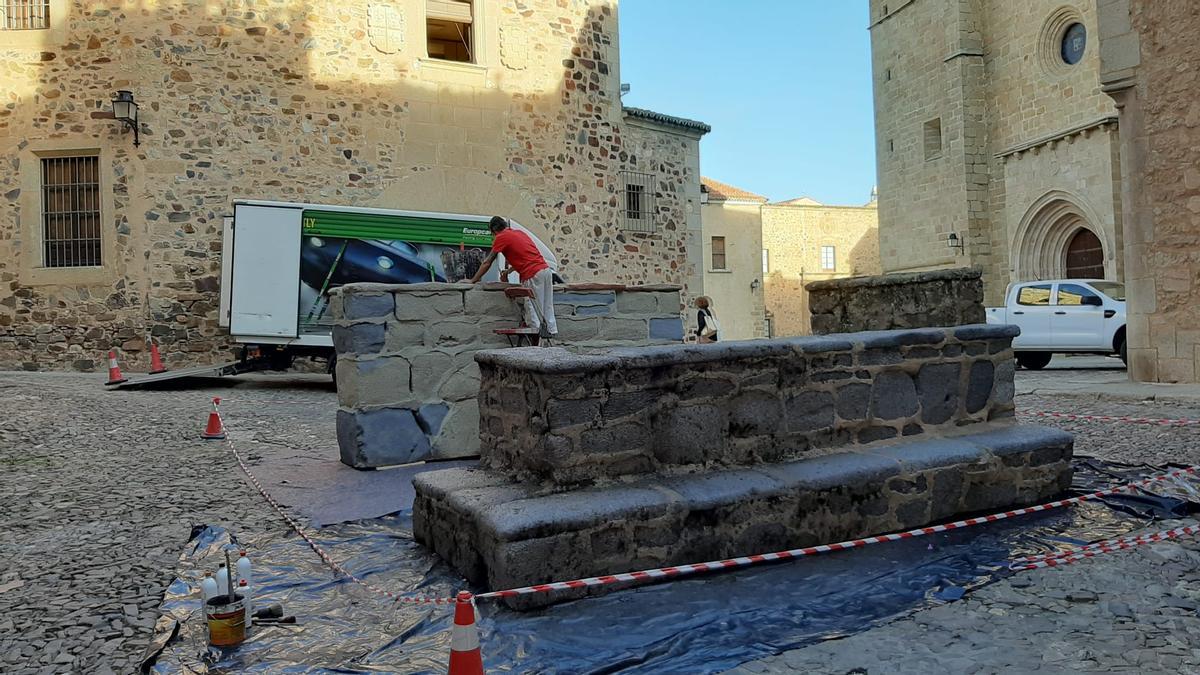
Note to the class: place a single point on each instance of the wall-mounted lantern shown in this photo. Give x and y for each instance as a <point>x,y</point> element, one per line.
<point>126,111</point>
<point>954,242</point>
<point>754,285</point>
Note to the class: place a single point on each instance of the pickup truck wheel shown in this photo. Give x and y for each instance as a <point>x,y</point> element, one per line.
<point>1122,352</point>
<point>1033,360</point>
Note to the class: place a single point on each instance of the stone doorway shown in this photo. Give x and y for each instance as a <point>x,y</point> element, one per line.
<point>1085,256</point>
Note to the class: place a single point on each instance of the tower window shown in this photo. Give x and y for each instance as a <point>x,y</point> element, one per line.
<point>448,30</point>
<point>933,139</point>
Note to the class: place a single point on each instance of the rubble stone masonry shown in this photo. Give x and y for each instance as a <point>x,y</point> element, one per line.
<point>319,102</point>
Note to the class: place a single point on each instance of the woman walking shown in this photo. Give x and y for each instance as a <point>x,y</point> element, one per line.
<point>707,325</point>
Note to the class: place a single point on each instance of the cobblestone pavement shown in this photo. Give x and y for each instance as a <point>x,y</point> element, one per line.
<point>99,491</point>
<point>1134,611</point>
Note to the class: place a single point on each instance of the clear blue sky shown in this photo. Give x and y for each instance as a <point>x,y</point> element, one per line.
<point>789,99</point>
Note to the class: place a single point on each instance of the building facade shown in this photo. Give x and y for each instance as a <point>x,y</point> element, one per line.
<point>996,146</point>
<point>803,241</point>
<point>1150,55</point>
<point>492,106</point>
<point>731,219</point>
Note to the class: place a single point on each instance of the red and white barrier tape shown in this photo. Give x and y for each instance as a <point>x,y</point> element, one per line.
<point>1114,418</point>
<point>325,557</point>
<point>685,570</point>
<point>1099,548</point>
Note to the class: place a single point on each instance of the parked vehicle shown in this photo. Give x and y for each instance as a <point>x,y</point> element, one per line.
<point>1064,316</point>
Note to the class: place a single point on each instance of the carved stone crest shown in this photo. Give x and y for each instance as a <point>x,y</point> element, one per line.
<point>385,27</point>
<point>514,47</point>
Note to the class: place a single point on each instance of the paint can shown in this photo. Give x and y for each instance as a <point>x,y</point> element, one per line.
<point>226,621</point>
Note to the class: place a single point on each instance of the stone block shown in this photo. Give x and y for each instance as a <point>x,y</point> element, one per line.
<point>429,371</point>
<point>586,310</point>
<point>613,329</point>
<point>937,387</point>
<point>403,335</point>
<point>578,329</point>
<point>430,306</point>
<point>639,303</point>
<point>481,303</point>
<point>358,338</point>
<point>358,305</point>
<point>755,414</point>
<point>625,403</point>
<point>371,382</point>
<point>853,401</point>
<point>809,411</point>
<point>585,299</point>
<point>690,434</point>
<point>563,414</point>
<point>451,334</point>
<point>458,436</point>
<point>461,384</point>
<point>893,396</point>
<point>375,438</point>
<point>666,329</point>
<point>431,415</point>
<point>979,385</point>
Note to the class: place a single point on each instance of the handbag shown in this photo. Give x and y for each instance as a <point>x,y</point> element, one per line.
<point>711,325</point>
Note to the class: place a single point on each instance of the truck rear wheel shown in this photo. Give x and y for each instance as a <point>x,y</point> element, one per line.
<point>1123,352</point>
<point>1033,360</point>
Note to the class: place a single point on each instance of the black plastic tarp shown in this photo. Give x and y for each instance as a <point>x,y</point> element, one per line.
<point>701,624</point>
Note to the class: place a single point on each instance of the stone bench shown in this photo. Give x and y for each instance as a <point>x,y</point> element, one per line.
<point>501,533</point>
<point>629,458</point>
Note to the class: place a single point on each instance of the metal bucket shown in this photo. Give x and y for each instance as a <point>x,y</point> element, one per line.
<point>226,621</point>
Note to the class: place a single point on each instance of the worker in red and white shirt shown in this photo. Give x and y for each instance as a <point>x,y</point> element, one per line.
<point>523,256</point>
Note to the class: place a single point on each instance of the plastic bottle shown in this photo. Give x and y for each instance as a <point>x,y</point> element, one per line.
<point>208,587</point>
<point>243,568</point>
<point>244,591</point>
<point>222,580</point>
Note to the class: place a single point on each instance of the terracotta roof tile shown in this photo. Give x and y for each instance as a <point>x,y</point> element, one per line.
<point>718,191</point>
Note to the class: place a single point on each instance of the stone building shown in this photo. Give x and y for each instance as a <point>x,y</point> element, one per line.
<point>484,106</point>
<point>992,132</point>
<point>803,241</point>
<point>731,219</point>
<point>1150,66</point>
<point>759,255</point>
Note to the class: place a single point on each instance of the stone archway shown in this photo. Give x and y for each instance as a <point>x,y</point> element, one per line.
<point>1046,234</point>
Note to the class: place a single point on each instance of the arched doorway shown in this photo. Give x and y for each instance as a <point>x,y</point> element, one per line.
<point>1060,237</point>
<point>1085,256</point>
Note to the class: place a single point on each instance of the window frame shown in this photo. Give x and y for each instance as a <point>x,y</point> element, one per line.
<point>712,254</point>
<point>1087,292</point>
<point>34,9</point>
<point>832,250</point>
<point>472,32</point>
<point>766,261</point>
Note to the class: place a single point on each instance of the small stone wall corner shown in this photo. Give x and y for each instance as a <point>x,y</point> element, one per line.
<point>952,297</point>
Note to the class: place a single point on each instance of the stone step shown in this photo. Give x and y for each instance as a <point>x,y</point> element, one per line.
<point>502,534</point>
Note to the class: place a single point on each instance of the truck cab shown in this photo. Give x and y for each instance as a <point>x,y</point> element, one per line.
<point>1064,316</point>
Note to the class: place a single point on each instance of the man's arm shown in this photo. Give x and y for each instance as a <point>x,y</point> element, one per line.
<point>484,267</point>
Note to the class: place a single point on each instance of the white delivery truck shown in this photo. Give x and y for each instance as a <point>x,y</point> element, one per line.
<point>279,261</point>
<point>1064,316</point>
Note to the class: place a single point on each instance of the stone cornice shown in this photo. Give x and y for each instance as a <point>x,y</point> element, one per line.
<point>1108,120</point>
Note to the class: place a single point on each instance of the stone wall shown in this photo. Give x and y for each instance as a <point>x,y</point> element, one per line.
<point>793,234</point>
<point>909,300</point>
<point>319,102</point>
<point>407,379</point>
<point>630,458</point>
<point>1149,53</point>
<point>574,418</point>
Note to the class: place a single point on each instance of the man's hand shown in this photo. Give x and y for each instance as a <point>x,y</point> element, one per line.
<point>484,267</point>
<point>505,272</point>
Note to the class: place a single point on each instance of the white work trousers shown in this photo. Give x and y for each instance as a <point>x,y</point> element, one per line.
<point>542,285</point>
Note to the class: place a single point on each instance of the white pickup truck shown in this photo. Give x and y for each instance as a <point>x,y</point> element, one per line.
<point>1065,316</point>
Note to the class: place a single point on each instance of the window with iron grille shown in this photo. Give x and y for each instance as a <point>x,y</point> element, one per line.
<point>639,202</point>
<point>24,14</point>
<point>718,253</point>
<point>71,211</point>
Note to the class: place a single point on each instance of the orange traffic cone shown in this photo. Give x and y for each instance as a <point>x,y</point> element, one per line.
<point>156,364</point>
<point>114,370</point>
<point>465,658</point>
<point>215,430</point>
